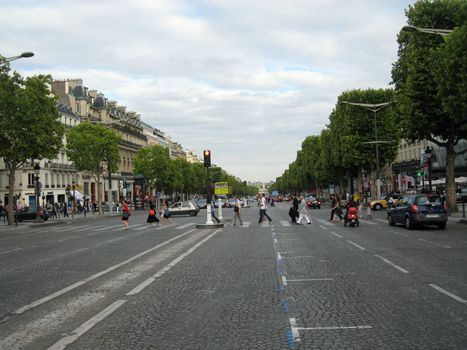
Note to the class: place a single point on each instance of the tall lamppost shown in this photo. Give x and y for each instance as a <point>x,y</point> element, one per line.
<point>374,108</point>
<point>73,187</point>
<point>429,155</point>
<point>9,59</point>
<point>37,188</point>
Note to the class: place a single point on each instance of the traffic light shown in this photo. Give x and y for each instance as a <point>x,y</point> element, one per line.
<point>419,172</point>
<point>207,158</point>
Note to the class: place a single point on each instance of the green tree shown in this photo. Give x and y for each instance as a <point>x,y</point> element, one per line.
<point>430,80</point>
<point>155,165</point>
<point>90,147</point>
<point>30,127</point>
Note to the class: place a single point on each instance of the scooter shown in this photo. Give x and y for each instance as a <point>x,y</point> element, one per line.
<point>351,218</point>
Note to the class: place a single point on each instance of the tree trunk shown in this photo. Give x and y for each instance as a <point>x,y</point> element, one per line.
<point>11,193</point>
<point>450,178</point>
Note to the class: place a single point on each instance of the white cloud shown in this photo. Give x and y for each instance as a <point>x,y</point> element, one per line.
<point>247,79</point>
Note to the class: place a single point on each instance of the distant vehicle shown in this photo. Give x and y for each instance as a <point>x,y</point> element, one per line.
<point>201,203</point>
<point>383,202</point>
<point>461,196</point>
<point>184,208</point>
<point>313,202</point>
<point>31,213</point>
<point>420,209</point>
<point>232,202</point>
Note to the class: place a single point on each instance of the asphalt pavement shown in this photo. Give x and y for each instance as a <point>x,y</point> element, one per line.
<point>90,284</point>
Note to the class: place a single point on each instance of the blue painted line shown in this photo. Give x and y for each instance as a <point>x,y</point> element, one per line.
<point>290,340</point>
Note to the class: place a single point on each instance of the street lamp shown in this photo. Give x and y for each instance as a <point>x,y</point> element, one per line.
<point>413,29</point>
<point>37,188</point>
<point>73,187</point>
<point>374,108</point>
<point>429,155</point>
<point>9,59</point>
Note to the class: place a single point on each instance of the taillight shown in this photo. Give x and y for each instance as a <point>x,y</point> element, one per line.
<point>319,203</point>
<point>445,204</point>
<point>414,208</point>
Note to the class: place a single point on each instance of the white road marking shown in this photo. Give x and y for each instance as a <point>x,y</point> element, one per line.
<point>279,256</point>
<point>332,328</point>
<point>381,220</point>
<point>10,251</point>
<point>106,228</point>
<point>400,233</point>
<point>356,245</point>
<point>325,222</point>
<point>246,224</point>
<point>145,227</point>
<point>311,279</point>
<point>290,239</point>
<point>68,239</point>
<point>324,228</point>
<point>368,222</point>
<point>93,277</point>
<point>392,264</point>
<point>437,244</point>
<point>449,294</point>
<point>185,226</point>
<point>86,326</point>
<point>335,234</point>
<point>297,257</point>
<point>289,251</point>
<point>284,280</point>
<point>294,329</point>
<point>285,223</point>
<point>166,268</point>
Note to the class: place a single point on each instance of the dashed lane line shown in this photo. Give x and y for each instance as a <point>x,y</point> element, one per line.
<point>392,264</point>
<point>185,226</point>
<point>356,245</point>
<point>335,234</point>
<point>10,251</point>
<point>285,223</point>
<point>324,228</point>
<point>434,243</point>
<point>449,294</point>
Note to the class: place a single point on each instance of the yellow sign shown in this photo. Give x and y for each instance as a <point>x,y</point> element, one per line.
<point>221,188</point>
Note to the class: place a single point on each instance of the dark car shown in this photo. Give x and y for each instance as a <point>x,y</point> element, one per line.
<point>419,209</point>
<point>201,203</point>
<point>31,213</point>
<point>313,202</point>
<point>461,195</point>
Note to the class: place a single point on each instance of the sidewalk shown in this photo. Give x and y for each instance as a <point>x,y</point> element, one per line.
<point>55,221</point>
<point>457,218</point>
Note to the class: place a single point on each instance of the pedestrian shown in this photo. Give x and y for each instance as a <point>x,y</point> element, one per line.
<point>126,215</point>
<point>238,205</point>
<point>262,209</point>
<point>165,213</point>
<point>338,211</point>
<point>303,211</point>
<point>360,208</point>
<point>53,211</point>
<point>213,212</point>
<point>333,206</point>
<point>368,211</point>
<point>65,210</point>
<point>2,212</point>
<point>152,217</point>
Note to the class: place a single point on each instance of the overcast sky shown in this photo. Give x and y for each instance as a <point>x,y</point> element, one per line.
<point>248,79</point>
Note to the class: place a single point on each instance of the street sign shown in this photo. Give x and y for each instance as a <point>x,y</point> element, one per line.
<point>275,193</point>
<point>221,188</point>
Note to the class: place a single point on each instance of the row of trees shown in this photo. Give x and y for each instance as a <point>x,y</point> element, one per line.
<point>429,102</point>
<point>346,146</point>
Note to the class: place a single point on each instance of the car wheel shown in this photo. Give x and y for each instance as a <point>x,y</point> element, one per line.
<point>378,206</point>
<point>192,213</point>
<point>442,226</point>
<point>391,221</point>
<point>408,223</point>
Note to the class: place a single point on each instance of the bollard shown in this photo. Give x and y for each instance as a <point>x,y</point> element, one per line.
<point>219,208</point>
<point>209,215</point>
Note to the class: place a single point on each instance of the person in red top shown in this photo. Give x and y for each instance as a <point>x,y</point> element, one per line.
<point>125,214</point>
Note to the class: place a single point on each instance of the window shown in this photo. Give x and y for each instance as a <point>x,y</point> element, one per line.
<point>31,179</point>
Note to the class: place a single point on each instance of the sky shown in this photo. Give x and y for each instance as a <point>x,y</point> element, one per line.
<point>247,79</point>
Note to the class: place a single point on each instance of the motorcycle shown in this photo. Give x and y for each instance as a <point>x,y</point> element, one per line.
<point>351,218</point>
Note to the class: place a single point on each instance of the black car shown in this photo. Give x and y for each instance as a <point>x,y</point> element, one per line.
<point>418,209</point>
<point>31,213</point>
<point>313,202</point>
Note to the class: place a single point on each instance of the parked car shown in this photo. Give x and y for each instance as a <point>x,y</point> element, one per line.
<point>201,203</point>
<point>31,213</point>
<point>419,209</point>
<point>383,202</point>
<point>461,195</point>
<point>184,208</point>
<point>313,202</point>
